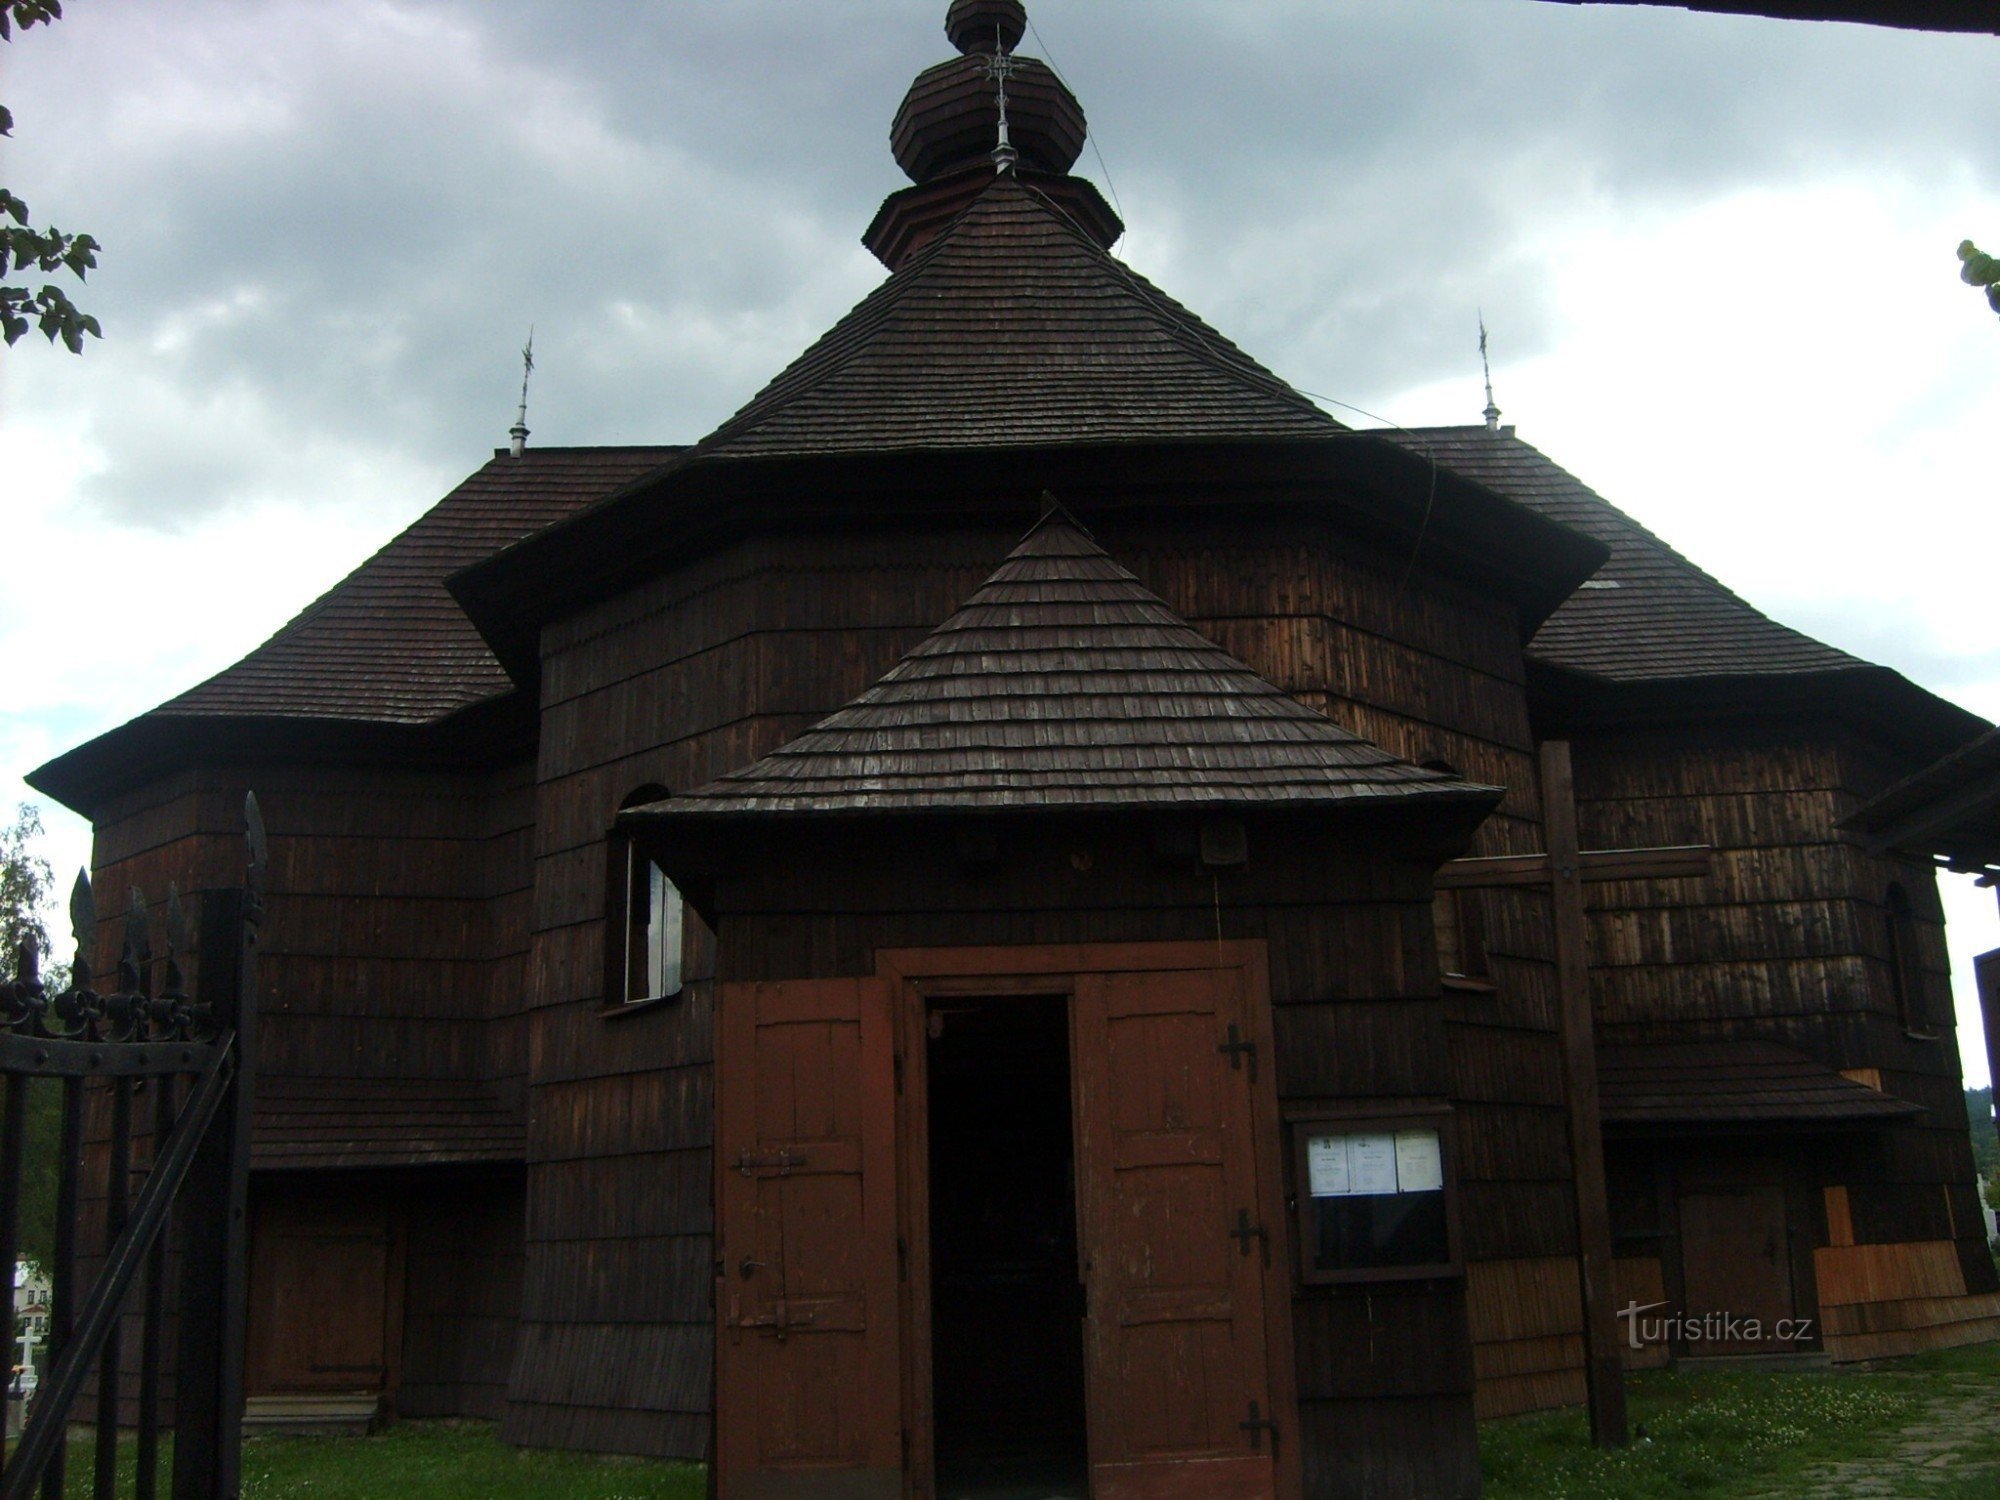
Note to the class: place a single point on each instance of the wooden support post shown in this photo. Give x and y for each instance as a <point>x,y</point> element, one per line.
<point>1604,1372</point>
<point>1987,968</point>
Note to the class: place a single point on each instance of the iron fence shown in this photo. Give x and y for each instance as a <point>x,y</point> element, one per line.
<point>189,1050</point>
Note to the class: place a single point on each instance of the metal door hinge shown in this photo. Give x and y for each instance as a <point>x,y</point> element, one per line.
<point>1245,1232</point>
<point>770,1164</point>
<point>1236,1049</point>
<point>1257,1425</point>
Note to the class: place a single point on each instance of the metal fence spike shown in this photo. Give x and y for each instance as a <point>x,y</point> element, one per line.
<point>82,910</point>
<point>260,851</point>
<point>138,932</point>
<point>179,938</point>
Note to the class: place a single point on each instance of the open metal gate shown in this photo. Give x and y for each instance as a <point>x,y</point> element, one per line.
<point>182,1052</point>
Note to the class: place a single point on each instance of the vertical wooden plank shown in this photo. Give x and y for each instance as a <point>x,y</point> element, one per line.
<point>1987,969</point>
<point>808,1346</point>
<point>1175,1351</point>
<point>1604,1372</point>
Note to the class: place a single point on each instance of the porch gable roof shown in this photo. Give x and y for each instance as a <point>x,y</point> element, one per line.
<point>1063,682</point>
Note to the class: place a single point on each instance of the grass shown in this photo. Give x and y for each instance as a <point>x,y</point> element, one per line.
<point>1739,1433</point>
<point>1702,1433</point>
<point>425,1461</point>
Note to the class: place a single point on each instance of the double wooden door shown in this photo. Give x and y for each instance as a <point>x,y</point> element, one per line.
<point>1179,1233</point>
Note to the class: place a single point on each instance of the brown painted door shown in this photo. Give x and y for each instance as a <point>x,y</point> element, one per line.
<point>807,1340</point>
<point>1175,1341</point>
<point>323,1297</point>
<point>1737,1268</point>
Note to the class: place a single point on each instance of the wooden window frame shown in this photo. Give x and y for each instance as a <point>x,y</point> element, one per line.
<point>625,860</point>
<point>1468,929</point>
<point>1302,1123</point>
<point>1906,973</point>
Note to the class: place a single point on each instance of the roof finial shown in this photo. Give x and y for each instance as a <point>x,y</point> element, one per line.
<point>519,431</point>
<point>1000,67</point>
<point>1492,413</point>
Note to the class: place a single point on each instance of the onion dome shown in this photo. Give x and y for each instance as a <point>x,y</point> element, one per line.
<point>984,113</point>
<point>983,25</point>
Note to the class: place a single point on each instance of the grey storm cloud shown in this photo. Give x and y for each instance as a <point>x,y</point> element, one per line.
<point>332,223</point>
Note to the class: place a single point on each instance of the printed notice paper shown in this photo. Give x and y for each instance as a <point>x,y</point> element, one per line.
<point>1371,1163</point>
<point>1419,1163</point>
<point>1326,1166</point>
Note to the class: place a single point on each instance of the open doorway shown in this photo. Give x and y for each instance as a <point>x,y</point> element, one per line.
<point>1006,1303</point>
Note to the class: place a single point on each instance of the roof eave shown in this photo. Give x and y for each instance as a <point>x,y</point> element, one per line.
<point>1878,701</point>
<point>160,744</point>
<point>1398,498</point>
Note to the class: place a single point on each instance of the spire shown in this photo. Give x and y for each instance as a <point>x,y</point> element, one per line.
<point>519,431</point>
<point>1492,412</point>
<point>1000,67</point>
<point>987,113</point>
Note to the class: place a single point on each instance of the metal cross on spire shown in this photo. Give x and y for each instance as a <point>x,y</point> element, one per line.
<point>519,431</point>
<point>1000,67</point>
<point>1492,412</point>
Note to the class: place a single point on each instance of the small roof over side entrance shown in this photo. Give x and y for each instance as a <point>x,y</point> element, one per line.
<point>1064,683</point>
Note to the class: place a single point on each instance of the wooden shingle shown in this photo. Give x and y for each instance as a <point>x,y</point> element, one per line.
<point>1014,328</point>
<point>1063,683</point>
<point>1734,1083</point>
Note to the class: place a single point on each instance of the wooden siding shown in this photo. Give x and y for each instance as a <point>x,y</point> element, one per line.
<point>705,668</point>
<point>1788,940</point>
<point>462,1297</point>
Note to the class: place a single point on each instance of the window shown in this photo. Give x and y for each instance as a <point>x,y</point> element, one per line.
<point>1461,940</point>
<point>1905,965</point>
<point>1377,1197</point>
<point>654,945</point>
<point>655,917</point>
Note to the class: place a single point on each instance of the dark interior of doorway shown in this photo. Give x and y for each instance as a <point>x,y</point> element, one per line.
<point>1006,1306</point>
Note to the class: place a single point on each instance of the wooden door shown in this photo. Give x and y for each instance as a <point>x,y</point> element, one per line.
<point>1178,1380</point>
<point>1736,1266</point>
<point>808,1394</point>
<point>325,1297</point>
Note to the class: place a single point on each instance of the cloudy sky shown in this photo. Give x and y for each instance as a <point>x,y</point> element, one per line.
<point>1714,254</point>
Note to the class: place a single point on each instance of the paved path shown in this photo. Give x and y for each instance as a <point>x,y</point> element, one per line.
<point>1930,1452</point>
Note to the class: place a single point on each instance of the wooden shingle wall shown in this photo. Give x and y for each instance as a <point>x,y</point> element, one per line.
<point>1789,939</point>
<point>1356,1019</point>
<point>462,1297</point>
<point>709,666</point>
<point>389,966</point>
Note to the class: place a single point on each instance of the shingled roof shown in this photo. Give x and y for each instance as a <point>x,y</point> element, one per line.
<point>1014,328</point>
<point>1648,614</point>
<point>1950,808</point>
<point>1732,1084</point>
<point>388,644</point>
<point>1063,683</point>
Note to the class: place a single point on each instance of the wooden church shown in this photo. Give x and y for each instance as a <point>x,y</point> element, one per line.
<point>1034,910</point>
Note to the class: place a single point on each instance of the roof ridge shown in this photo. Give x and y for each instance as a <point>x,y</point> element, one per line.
<point>1620,516</point>
<point>1093,296</point>
<point>746,418</point>
<point>1175,317</point>
<point>1585,625</point>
